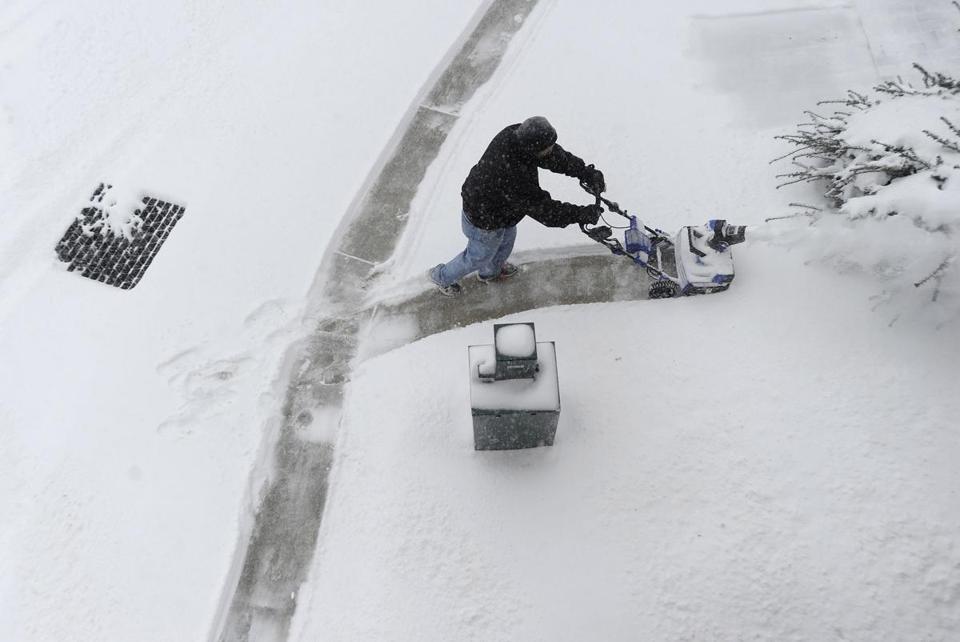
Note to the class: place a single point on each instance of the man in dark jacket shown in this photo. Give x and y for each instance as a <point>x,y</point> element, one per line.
<point>501,189</point>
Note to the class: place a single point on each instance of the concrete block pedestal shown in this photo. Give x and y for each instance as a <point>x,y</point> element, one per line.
<point>514,413</point>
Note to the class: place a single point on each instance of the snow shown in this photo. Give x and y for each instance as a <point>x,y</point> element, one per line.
<point>776,462</point>
<point>515,340</point>
<point>537,394</point>
<point>755,464</point>
<point>669,101</point>
<point>930,203</point>
<point>119,211</point>
<point>904,118</point>
<point>916,197</point>
<point>137,425</point>
<point>899,208</point>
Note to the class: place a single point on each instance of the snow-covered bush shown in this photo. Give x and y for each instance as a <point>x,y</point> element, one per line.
<point>890,161</point>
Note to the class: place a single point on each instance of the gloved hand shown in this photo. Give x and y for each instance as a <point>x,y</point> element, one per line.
<point>593,179</point>
<point>589,214</point>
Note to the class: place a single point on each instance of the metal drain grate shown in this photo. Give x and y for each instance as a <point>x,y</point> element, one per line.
<point>96,251</point>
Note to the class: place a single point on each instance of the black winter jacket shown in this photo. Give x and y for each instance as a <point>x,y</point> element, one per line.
<point>504,185</point>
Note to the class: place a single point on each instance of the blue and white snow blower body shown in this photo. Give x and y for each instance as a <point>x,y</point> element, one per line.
<point>697,260</point>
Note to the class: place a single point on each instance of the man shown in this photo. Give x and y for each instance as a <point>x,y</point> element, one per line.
<point>501,189</point>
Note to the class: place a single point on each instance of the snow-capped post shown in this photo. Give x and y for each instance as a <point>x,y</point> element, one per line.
<point>515,348</point>
<point>514,389</point>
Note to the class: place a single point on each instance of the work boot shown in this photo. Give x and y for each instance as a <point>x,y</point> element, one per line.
<point>506,271</point>
<point>451,290</point>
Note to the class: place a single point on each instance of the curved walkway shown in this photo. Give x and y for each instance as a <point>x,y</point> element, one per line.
<point>259,602</point>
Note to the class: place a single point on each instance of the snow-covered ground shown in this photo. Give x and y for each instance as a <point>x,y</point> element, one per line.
<point>677,103</point>
<point>772,463</point>
<point>131,421</point>
<point>775,463</point>
<point>756,465</point>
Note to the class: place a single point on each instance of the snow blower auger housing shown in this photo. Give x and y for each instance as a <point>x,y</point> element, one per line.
<point>697,260</point>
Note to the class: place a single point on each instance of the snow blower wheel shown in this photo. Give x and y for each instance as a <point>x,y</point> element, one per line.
<point>663,290</point>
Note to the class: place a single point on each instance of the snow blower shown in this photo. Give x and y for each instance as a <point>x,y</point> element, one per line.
<point>695,261</point>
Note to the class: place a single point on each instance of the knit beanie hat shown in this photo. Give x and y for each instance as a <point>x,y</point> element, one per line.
<point>536,134</point>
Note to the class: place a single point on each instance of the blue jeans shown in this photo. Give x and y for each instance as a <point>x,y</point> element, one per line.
<point>486,252</point>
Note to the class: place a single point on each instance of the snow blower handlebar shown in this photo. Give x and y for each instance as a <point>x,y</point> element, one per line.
<point>613,207</point>
<point>602,233</point>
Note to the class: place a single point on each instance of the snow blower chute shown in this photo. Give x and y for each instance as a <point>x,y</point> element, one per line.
<point>695,261</point>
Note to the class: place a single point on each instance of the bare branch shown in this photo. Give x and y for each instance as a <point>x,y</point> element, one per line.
<point>794,215</point>
<point>791,153</point>
<point>943,141</point>
<point>903,152</point>
<point>937,273</point>
<point>802,179</point>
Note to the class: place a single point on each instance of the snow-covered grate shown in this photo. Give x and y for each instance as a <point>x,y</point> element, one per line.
<point>101,246</point>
